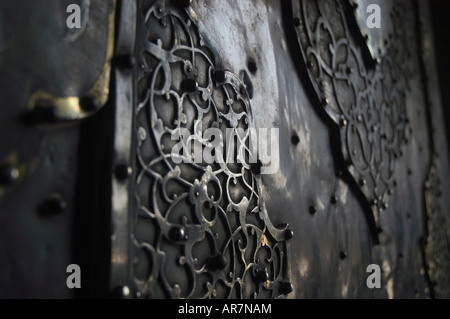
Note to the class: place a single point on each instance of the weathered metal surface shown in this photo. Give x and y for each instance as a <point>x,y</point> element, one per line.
<point>363,172</point>
<point>45,70</point>
<point>198,230</point>
<point>369,104</point>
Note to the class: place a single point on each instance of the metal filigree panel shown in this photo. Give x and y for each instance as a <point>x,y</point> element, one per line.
<point>365,100</point>
<point>198,230</point>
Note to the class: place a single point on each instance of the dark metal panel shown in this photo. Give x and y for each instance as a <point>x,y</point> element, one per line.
<point>363,173</point>
<point>50,76</point>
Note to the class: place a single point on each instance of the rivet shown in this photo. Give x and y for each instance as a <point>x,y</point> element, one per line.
<point>342,122</point>
<point>122,172</point>
<point>8,174</point>
<point>362,182</point>
<point>343,255</point>
<point>53,205</point>
<point>285,287</point>
<point>309,65</point>
<point>189,85</point>
<point>288,234</point>
<point>218,76</point>
<point>89,103</point>
<point>312,209</point>
<point>121,292</point>
<point>216,262</point>
<point>384,205</point>
<point>296,22</point>
<point>176,234</point>
<point>261,275</point>
<point>324,101</point>
<point>334,199</point>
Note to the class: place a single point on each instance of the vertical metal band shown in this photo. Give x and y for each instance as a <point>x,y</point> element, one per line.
<point>120,221</point>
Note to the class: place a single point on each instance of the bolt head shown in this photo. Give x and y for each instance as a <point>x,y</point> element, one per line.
<point>189,85</point>
<point>8,174</point>
<point>219,76</point>
<point>53,205</point>
<point>176,234</point>
<point>288,234</point>
<point>216,262</point>
<point>286,287</point>
<point>261,275</point>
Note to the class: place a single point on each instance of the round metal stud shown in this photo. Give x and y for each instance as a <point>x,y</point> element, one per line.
<point>261,275</point>
<point>53,205</point>
<point>334,199</point>
<point>122,172</point>
<point>343,122</point>
<point>8,174</point>
<point>219,76</point>
<point>189,85</point>
<point>176,234</point>
<point>216,262</point>
<point>286,287</point>
<point>121,292</point>
<point>89,103</point>
<point>288,234</point>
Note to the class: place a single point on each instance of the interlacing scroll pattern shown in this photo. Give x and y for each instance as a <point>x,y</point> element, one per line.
<point>201,230</point>
<point>366,99</point>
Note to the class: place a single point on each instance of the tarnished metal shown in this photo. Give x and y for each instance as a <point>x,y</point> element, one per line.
<point>363,176</point>
<point>369,105</point>
<point>198,230</point>
<point>45,69</point>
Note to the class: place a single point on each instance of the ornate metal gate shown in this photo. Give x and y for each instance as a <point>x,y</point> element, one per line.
<point>89,176</point>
